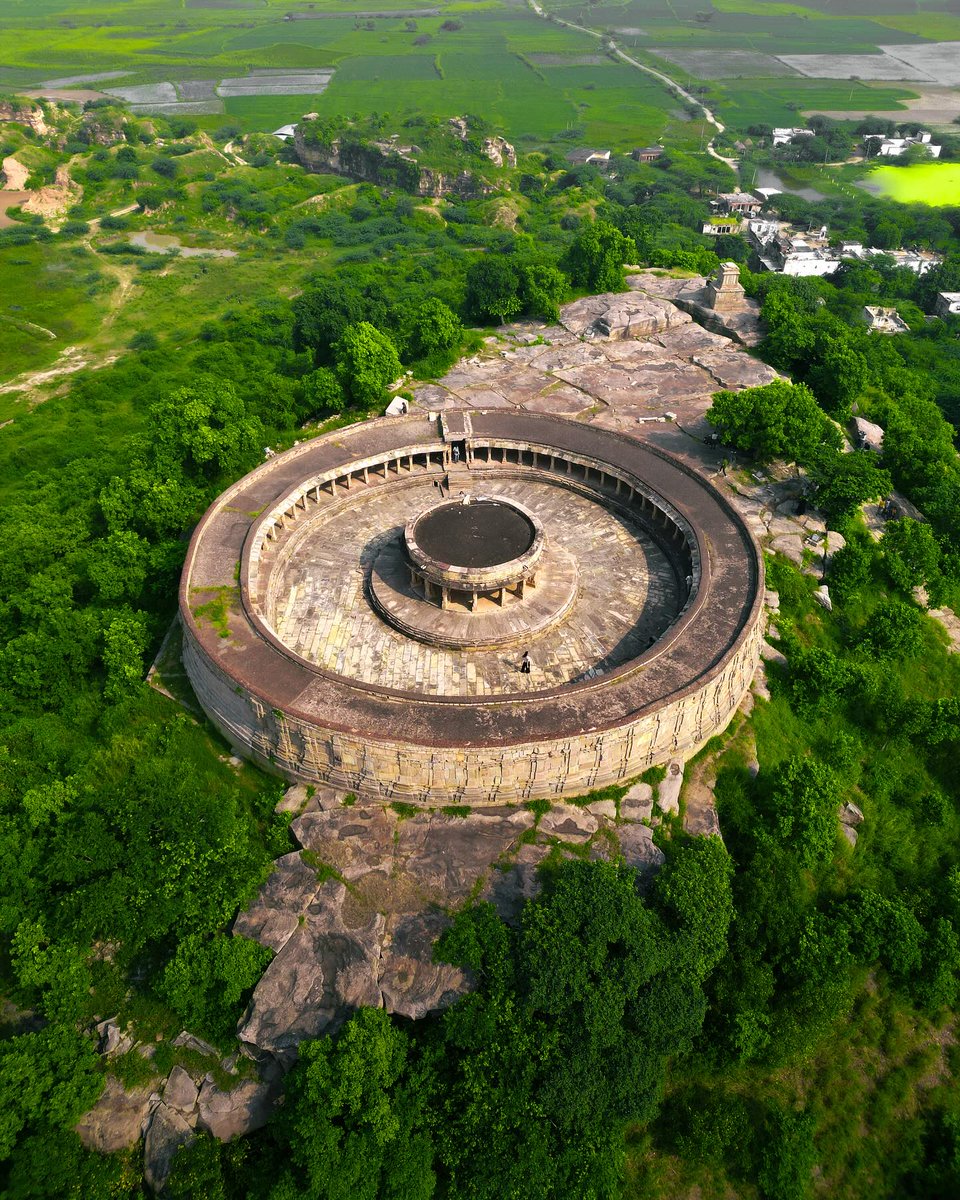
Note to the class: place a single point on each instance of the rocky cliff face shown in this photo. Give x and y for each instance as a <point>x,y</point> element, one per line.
<point>385,165</point>
<point>24,114</point>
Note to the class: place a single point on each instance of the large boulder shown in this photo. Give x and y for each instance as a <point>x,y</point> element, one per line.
<point>180,1092</point>
<point>620,316</point>
<point>324,971</point>
<point>116,1121</point>
<point>166,1133</point>
<point>240,1110</point>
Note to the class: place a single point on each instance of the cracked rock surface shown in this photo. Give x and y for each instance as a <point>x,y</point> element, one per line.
<point>354,915</point>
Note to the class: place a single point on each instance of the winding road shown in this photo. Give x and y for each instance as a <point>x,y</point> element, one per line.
<point>677,89</point>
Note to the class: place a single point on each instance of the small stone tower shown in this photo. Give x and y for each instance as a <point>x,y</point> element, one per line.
<point>724,290</point>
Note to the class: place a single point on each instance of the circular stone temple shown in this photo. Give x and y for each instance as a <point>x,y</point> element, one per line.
<point>355,611</point>
<point>473,549</point>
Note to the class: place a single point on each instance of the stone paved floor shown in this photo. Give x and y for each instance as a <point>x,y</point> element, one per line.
<point>628,595</point>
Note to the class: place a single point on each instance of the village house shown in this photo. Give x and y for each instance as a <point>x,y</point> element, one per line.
<point>884,320</point>
<point>739,204</point>
<point>783,137</point>
<point>948,304</point>
<point>783,250</point>
<point>887,147</point>
<point>917,261</point>
<point>581,156</point>
<point>647,154</point>
<point>720,225</point>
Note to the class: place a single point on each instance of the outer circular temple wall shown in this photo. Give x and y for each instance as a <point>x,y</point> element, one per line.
<point>298,720</point>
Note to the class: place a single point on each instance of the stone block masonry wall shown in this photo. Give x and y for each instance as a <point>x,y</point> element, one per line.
<point>600,724</point>
<point>494,774</point>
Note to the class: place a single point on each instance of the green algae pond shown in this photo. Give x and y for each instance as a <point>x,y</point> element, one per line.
<point>933,183</point>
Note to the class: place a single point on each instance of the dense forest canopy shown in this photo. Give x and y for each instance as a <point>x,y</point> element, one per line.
<point>711,1032</point>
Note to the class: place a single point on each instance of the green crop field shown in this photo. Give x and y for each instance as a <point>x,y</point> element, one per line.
<point>744,102</point>
<point>397,63</point>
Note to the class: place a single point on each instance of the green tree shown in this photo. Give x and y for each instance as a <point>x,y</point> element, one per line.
<point>435,331</point>
<point>845,481</point>
<point>208,977</point>
<point>203,431</point>
<point>777,420</point>
<point>352,1122</point>
<point>366,361</point>
<point>596,258</point>
<point>47,1079</point>
<point>911,554</point>
<point>118,565</point>
<point>544,287</point>
<point>321,313</point>
<point>323,391</point>
<point>802,807</point>
<point>493,290</point>
<point>125,638</point>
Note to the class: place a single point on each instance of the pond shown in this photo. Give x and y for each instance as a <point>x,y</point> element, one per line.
<point>9,199</point>
<point>934,183</point>
<point>765,178</point>
<point>165,243</point>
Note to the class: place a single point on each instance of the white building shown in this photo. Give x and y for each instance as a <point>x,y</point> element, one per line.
<point>948,304</point>
<point>884,320</point>
<point>782,249</point>
<point>285,132</point>
<point>717,226</point>
<point>917,261</point>
<point>893,147</point>
<point>783,137</point>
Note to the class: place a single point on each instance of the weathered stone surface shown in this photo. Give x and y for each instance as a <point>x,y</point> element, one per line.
<point>116,1120</point>
<point>771,654</point>
<point>637,804</point>
<point>276,912</point>
<point>639,793</point>
<point>616,316</point>
<point>180,1091</point>
<point>323,971</point>
<point>790,545</point>
<point>603,808</point>
<point>166,1133</point>
<point>850,833</point>
<point>508,889</point>
<point>411,983</point>
<point>293,799</point>
<point>190,1041</point>
<point>732,369</point>
<point>668,793</point>
<point>637,848</point>
<point>822,597</point>
<point>241,1110</point>
<point>772,600</point>
<point>851,814</point>
<point>112,1041</point>
<point>570,824</point>
<point>868,435</point>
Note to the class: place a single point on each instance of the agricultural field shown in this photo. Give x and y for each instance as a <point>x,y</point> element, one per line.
<point>262,65</point>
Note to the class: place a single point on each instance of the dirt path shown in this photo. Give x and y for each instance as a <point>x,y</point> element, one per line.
<point>665,79</point>
<point>69,361</point>
<point>75,358</point>
<point>117,212</point>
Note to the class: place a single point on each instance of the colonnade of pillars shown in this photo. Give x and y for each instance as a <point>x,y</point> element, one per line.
<point>443,595</point>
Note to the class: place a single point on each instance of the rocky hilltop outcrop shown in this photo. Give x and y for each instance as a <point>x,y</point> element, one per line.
<point>24,112</point>
<point>392,162</point>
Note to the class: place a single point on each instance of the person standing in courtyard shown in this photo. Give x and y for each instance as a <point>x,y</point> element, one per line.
<point>525,663</point>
